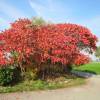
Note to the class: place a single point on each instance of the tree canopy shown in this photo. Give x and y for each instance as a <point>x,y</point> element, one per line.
<point>57,43</point>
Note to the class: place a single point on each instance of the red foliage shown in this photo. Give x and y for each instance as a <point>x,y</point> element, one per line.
<point>18,38</point>
<point>56,42</point>
<point>63,42</point>
<point>81,59</point>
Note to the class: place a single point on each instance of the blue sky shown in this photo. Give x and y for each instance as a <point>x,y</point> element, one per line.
<point>83,12</point>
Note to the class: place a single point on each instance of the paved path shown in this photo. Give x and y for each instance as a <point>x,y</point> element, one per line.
<point>91,91</point>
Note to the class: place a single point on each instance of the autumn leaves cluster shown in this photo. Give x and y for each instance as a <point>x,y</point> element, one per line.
<point>63,43</point>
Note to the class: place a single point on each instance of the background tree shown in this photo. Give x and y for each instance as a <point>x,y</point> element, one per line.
<point>97,52</point>
<point>39,21</point>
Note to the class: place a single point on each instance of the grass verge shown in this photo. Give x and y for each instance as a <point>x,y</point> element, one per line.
<point>93,67</point>
<point>42,85</point>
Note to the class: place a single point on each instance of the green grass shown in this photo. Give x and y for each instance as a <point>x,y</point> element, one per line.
<point>91,67</point>
<point>41,85</point>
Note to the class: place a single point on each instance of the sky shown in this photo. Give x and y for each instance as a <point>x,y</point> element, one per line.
<point>82,12</point>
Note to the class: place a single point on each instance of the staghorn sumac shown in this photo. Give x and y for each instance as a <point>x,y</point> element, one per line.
<point>56,43</point>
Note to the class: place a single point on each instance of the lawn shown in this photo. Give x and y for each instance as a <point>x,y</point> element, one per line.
<point>91,67</point>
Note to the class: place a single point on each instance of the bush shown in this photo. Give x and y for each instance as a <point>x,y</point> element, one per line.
<point>56,43</point>
<point>9,75</point>
<point>30,75</point>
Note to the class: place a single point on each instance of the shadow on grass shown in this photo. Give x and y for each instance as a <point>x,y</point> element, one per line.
<point>83,73</point>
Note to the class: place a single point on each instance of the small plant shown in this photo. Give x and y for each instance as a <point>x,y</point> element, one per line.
<point>30,75</point>
<point>9,75</point>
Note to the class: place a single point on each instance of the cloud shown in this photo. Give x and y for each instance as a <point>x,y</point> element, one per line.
<point>50,9</point>
<point>3,23</point>
<point>42,10</point>
<point>39,9</point>
<point>2,20</point>
<point>10,10</point>
<point>11,13</point>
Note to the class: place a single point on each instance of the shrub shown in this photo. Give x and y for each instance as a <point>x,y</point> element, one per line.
<point>9,75</point>
<point>30,74</point>
<point>58,43</point>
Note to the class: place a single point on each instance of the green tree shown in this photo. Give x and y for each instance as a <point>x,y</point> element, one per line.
<point>97,53</point>
<point>39,21</point>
